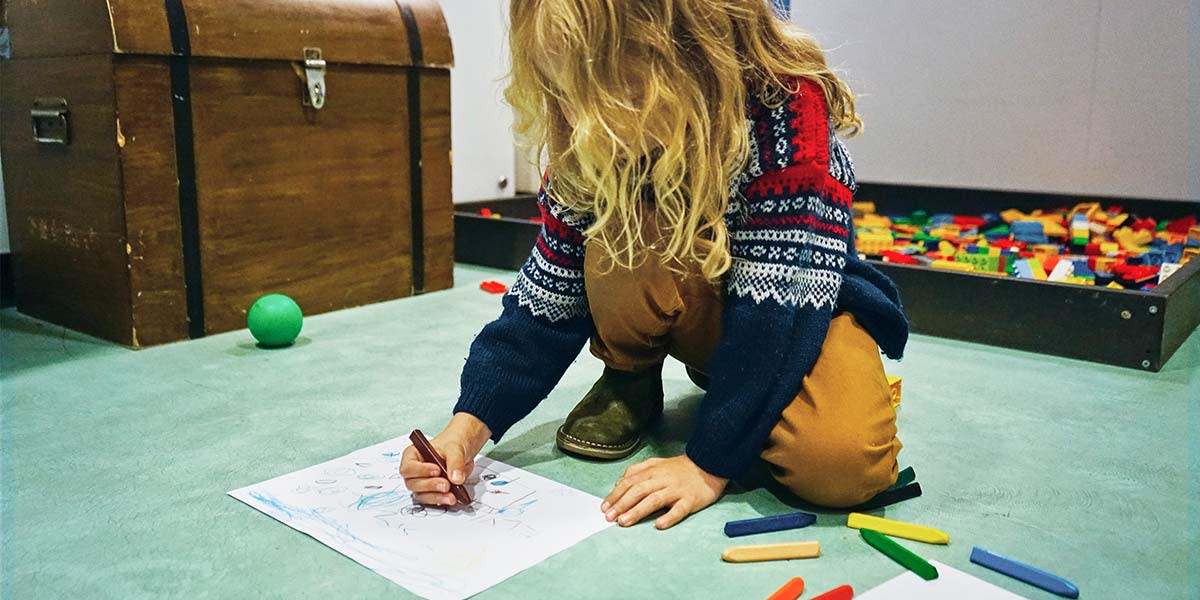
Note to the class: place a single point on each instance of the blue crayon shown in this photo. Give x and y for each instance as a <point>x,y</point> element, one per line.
<point>794,520</point>
<point>1018,570</point>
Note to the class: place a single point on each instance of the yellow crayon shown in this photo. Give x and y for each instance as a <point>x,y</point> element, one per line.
<point>909,531</point>
<point>786,551</point>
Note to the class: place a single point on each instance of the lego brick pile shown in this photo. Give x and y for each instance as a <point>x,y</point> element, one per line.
<point>1086,245</point>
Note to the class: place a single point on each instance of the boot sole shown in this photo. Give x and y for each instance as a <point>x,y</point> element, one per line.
<point>573,445</point>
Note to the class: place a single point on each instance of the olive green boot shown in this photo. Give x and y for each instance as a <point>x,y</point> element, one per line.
<point>609,422</point>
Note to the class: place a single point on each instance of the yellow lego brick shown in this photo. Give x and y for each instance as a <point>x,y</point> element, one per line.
<point>1104,263</point>
<point>1117,221</point>
<point>1189,254</point>
<point>894,384</point>
<point>950,265</point>
<point>1091,209</point>
<point>946,248</point>
<point>872,220</point>
<point>1132,241</point>
<point>1079,281</point>
<point>1194,234</point>
<point>1052,227</point>
<point>873,241</point>
<point>1114,285</point>
<point>1109,247</point>
<point>993,251</point>
<point>1045,249</point>
<point>1013,214</point>
<point>863,208</point>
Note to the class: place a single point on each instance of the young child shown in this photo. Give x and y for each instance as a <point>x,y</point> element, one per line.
<point>696,205</point>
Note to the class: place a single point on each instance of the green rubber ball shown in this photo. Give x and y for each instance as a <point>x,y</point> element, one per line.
<point>275,320</point>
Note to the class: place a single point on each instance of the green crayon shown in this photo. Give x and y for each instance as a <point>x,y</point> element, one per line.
<point>900,554</point>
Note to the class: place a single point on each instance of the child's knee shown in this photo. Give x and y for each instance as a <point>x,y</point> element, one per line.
<point>838,474</point>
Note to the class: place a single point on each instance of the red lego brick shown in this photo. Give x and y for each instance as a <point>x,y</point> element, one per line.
<point>493,287</point>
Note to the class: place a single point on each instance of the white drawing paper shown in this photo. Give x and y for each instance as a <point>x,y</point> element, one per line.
<point>358,505</point>
<point>951,584</point>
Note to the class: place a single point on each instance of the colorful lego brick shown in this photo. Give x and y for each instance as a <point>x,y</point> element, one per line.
<point>1189,254</point>
<point>872,221</point>
<point>1114,286</point>
<point>863,208</point>
<point>1117,221</point>
<point>1030,268</point>
<point>1032,232</point>
<point>969,222</point>
<point>894,384</point>
<point>1167,270</point>
<point>1152,256</point>
<point>985,263</point>
<point>1131,240</point>
<point>1062,270</point>
<point>919,217</point>
<point>873,241</point>
<point>1080,230</point>
<point>1102,263</point>
<point>1194,234</point>
<point>946,231</point>
<point>891,256</point>
<point>1182,225</point>
<point>949,265</point>
<point>1146,224</point>
<point>1013,215</point>
<point>1109,248</point>
<point>1087,210</point>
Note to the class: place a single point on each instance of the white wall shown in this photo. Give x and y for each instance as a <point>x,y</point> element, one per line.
<point>482,123</point>
<point>1072,96</point>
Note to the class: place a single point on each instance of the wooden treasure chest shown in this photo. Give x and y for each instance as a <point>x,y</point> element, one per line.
<point>168,162</point>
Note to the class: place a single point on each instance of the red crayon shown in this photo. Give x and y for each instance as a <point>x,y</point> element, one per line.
<point>844,592</point>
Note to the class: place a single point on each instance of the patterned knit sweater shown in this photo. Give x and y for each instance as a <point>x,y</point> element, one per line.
<point>794,265</point>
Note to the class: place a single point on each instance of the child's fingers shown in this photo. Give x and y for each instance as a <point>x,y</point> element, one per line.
<point>673,516</point>
<point>622,486</point>
<point>428,484</point>
<point>631,498</point>
<point>411,465</point>
<point>651,503</point>
<point>435,499</point>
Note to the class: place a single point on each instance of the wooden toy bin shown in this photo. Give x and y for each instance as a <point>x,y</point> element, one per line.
<point>166,163</point>
<point>1127,328</point>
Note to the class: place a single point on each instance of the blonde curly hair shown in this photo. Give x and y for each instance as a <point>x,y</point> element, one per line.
<point>647,98</point>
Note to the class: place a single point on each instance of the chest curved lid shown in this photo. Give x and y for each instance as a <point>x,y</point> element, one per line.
<point>383,32</point>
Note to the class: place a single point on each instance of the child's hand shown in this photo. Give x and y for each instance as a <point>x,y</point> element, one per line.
<point>462,439</point>
<point>657,483</point>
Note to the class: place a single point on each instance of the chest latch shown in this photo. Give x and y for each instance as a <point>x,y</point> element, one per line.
<point>312,75</point>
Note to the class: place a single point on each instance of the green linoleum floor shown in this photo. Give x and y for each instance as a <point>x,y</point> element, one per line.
<point>115,464</point>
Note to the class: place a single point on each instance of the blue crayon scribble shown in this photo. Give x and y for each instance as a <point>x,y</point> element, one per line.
<point>517,509</point>
<point>286,512</point>
<point>385,499</point>
<point>501,482</point>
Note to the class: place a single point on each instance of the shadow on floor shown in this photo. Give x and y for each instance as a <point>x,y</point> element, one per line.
<point>30,344</point>
<point>532,447</point>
